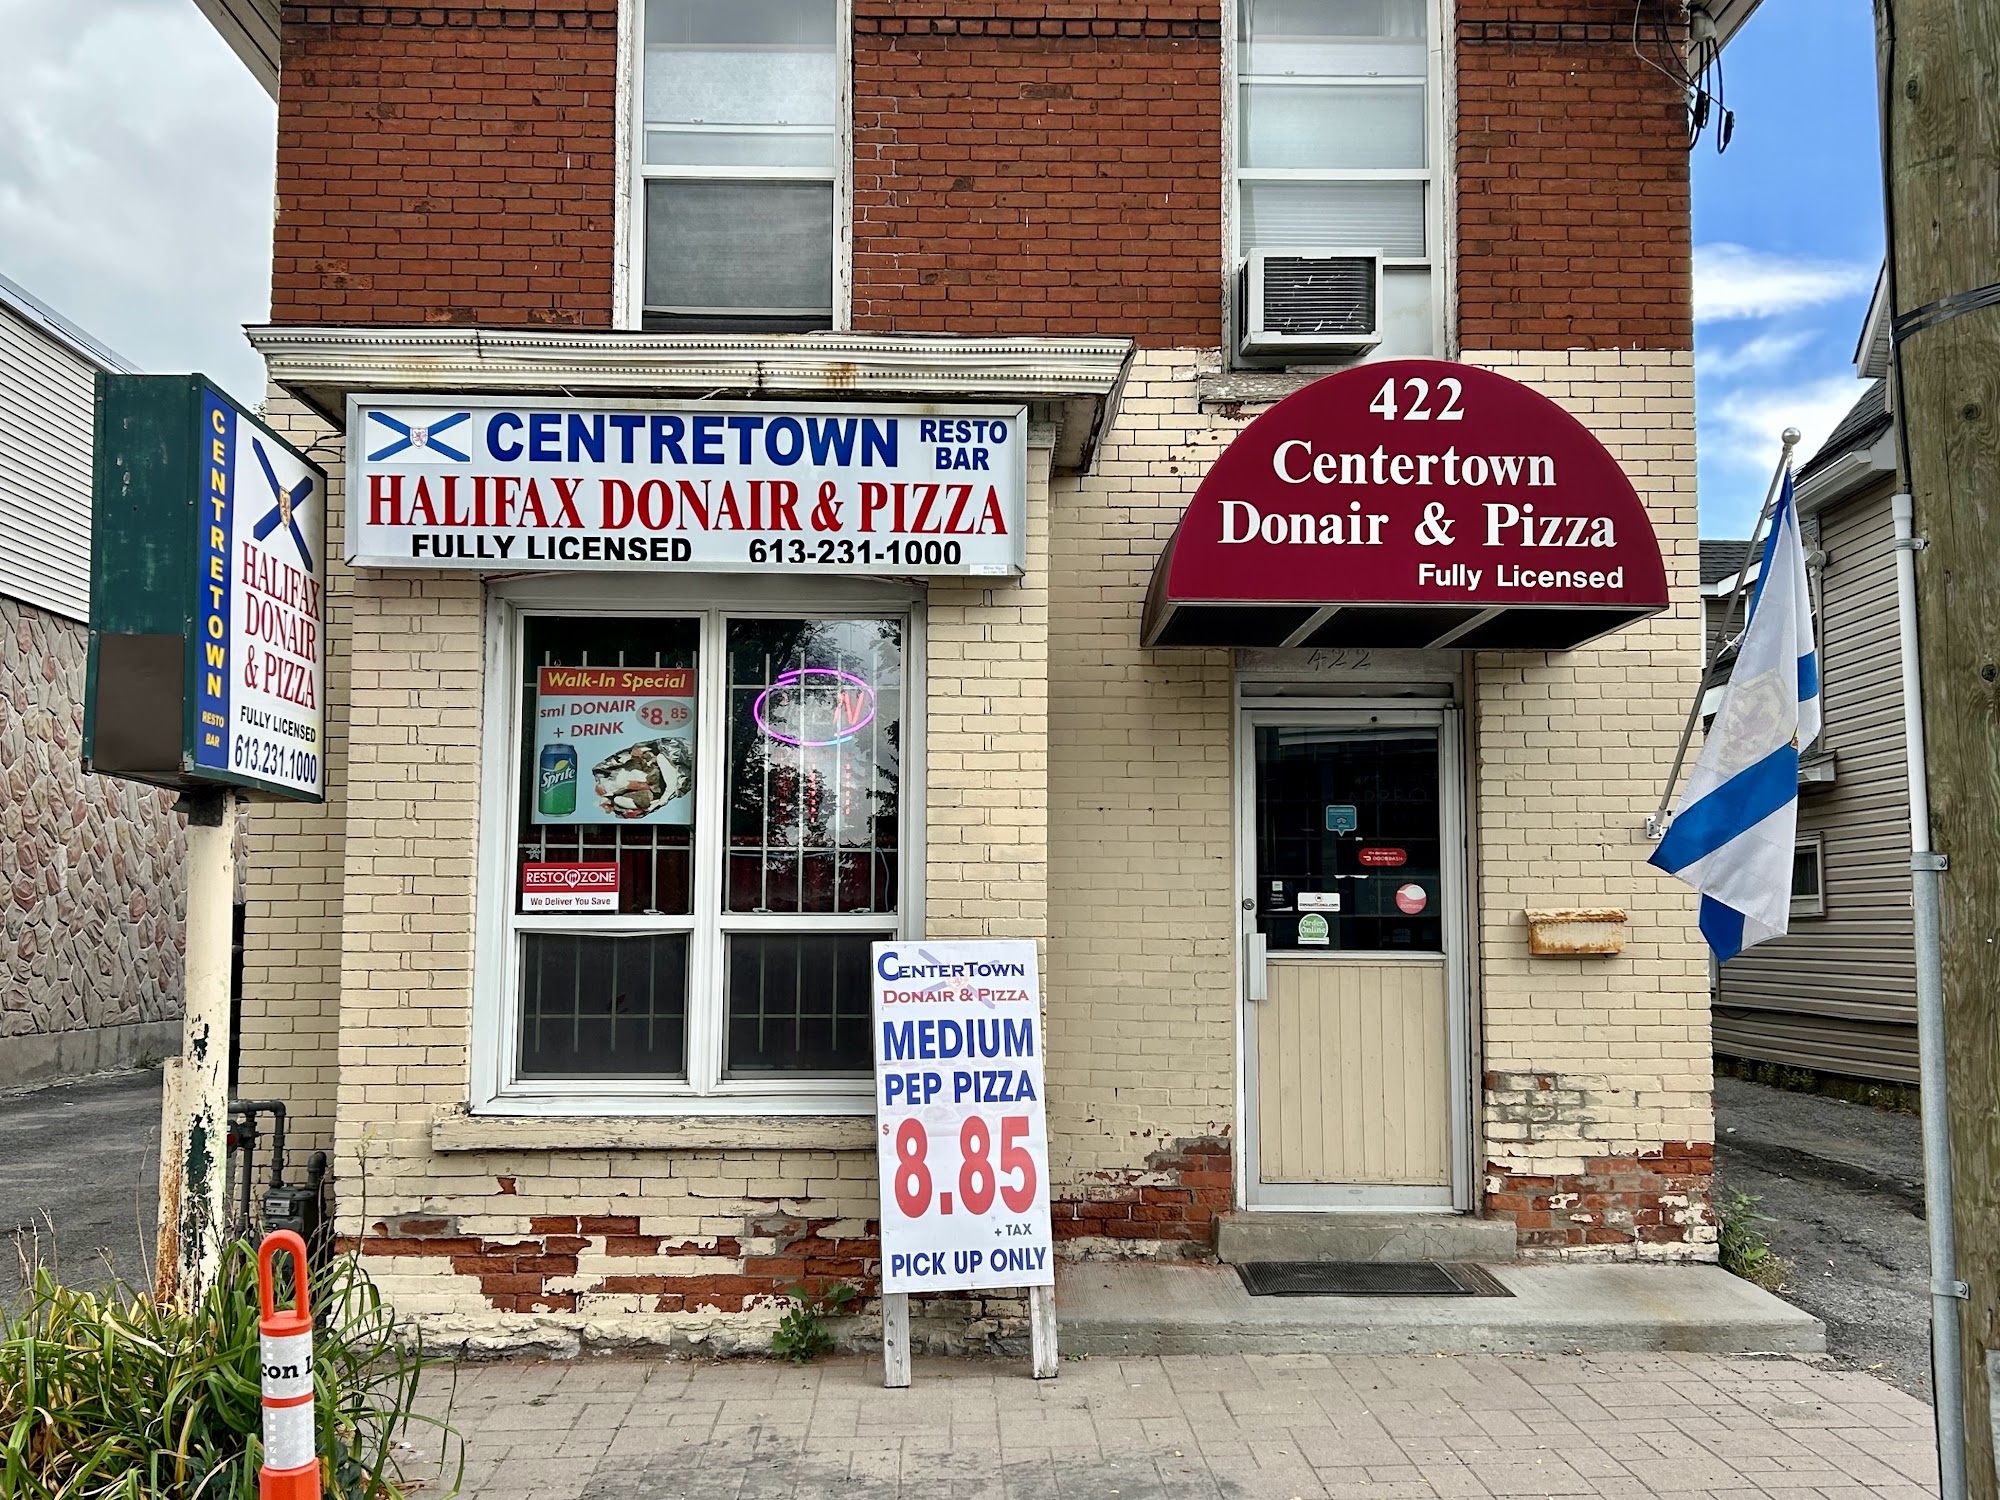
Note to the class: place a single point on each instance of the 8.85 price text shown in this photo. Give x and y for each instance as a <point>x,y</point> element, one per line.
<point>980,1178</point>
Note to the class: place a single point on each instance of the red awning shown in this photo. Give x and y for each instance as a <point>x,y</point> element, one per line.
<point>1409,502</point>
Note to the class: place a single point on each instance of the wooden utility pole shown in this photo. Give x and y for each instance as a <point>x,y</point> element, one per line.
<point>1940,78</point>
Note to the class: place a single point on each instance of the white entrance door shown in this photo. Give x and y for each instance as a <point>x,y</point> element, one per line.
<point>1353,934</point>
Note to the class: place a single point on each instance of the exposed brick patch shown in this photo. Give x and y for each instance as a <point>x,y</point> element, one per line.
<point>1573,199</point>
<point>1650,1204</point>
<point>1171,1202</point>
<point>515,1274</point>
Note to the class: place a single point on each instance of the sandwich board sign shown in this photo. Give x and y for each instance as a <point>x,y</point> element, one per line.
<point>207,662</point>
<point>961,1134</point>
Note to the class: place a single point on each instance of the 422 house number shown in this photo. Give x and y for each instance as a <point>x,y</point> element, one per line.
<point>1422,395</point>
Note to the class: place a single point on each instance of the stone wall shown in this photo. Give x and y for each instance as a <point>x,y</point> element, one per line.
<point>92,878</point>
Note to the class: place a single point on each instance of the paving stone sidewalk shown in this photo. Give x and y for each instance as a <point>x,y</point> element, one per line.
<point>1352,1427</point>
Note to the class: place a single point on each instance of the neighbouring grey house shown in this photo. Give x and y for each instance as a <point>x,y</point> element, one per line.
<point>1838,993</point>
<point>92,879</point>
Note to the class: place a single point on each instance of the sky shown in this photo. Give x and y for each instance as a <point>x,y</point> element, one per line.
<point>1788,243</point>
<point>135,198</point>
<point>136,181</point>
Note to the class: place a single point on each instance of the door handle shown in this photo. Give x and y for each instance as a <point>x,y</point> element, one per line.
<point>1256,985</point>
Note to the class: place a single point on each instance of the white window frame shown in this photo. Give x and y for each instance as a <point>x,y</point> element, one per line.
<point>1437,144</point>
<point>1813,905</point>
<point>628,310</point>
<point>496,1088</point>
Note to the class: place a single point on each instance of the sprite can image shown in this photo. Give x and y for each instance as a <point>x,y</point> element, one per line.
<point>556,783</point>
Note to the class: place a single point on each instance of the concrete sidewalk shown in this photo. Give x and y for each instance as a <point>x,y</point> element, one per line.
<point>1122,1308</point>
<point>1355,1427</point>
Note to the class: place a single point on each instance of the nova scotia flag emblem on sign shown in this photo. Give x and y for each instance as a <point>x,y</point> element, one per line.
<point>424,442</point>
<point>1736,827</point>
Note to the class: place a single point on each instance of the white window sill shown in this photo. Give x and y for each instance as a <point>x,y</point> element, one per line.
<point>704,1132</point>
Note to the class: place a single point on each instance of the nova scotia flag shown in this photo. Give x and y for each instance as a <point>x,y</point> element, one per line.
<point>1734,830</point>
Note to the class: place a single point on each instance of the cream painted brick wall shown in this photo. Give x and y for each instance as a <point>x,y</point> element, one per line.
<point>986,748</point>
<point>1142,937</point>
<point>1571,752</point>
<point>411,652</point>
<point>411,849</point>
<point>1077,787</point>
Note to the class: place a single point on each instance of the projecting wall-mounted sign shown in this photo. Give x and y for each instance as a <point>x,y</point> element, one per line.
<point>1409,502</point>
<point>207,619</point>
<point>715,487</point>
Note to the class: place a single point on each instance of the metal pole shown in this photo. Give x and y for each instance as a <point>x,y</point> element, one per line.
<point>1656,825</point>
<point>194,1113</point>
<point>1947,1291</point>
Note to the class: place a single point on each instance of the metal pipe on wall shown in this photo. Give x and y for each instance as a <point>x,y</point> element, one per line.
<point>1947,1291</point>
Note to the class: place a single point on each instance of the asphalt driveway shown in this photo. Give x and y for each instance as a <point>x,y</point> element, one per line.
<point>79,1175</point>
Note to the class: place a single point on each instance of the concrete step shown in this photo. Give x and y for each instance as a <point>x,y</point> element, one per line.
<point>1241,1237</point>
<point>1131,1308</point>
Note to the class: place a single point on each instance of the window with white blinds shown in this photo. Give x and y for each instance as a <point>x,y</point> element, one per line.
<point>739,147</point>
<point>1334,127</point>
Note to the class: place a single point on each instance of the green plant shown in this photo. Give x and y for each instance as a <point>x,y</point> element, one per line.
<point>801,1335</point>
<point>114,1396</point>
<point>1744,1250</point>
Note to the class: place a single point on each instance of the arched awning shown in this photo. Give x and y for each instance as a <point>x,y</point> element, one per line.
<point>1409,502</point>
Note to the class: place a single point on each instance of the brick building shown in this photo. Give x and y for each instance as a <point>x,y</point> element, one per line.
<point>1276,809</point>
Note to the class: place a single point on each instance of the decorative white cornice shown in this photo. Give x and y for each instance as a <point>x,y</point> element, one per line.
<point>1071,382</point>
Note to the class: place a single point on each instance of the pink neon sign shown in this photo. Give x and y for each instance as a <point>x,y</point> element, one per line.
<point>852,704</point>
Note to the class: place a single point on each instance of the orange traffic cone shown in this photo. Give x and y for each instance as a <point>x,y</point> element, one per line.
<point>291,1468</point>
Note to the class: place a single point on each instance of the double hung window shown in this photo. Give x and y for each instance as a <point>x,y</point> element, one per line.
<point>1336,123</point>
<point>739,144</point>
<point>707,836</point>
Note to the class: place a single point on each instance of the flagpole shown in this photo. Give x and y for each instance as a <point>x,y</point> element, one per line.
<point>1656,825</point>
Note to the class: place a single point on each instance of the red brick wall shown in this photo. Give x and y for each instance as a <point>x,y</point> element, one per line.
<point>1021,167</point>
<point>446,164</point>
<point>1573,182</point>
<point>1028,167</point>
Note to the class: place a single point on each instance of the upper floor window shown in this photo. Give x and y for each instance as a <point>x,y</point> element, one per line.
<point>738,164</point>
<point>1336,111</point>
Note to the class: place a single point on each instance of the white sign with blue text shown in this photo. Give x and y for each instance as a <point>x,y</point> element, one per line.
<point>963,1142</point>
<point>710,486</point>
<point>260,620</point>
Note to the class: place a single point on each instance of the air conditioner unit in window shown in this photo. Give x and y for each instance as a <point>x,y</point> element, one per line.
<point>1311,302</point>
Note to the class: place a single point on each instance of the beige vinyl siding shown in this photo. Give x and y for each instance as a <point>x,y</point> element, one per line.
<point>1713,613</point>
<point>1839,992</point>
<point>46,398</point>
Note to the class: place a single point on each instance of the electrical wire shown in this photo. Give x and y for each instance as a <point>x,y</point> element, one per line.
<point>1698,76</point>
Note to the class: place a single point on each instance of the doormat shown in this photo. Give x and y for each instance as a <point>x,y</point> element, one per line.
<point>1361,1278</point>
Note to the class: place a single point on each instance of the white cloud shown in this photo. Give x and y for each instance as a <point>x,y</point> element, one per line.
<point>1734,281</point>
<point>1740,429</point>
<point>1766,351</point>
<point>135,180</point>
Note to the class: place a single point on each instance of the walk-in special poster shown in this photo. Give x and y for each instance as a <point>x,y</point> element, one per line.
<point>614,745</point>
<point>962,1140</point>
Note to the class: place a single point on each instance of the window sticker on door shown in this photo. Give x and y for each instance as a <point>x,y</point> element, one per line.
<point>1412,898</point>
<point>1319,900</point>
<point>1312,931</point>
<point>1380,858</point>
<point>1342,817</point>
